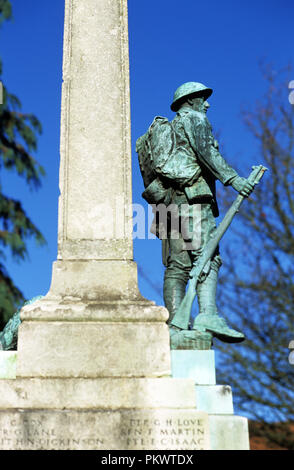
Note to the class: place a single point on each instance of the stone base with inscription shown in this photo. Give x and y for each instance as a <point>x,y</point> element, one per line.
<point>120,413</point>
<point>185,412</point>
<point>100,414</point>
<point>227,431</point>
<point>103,430</point>
<point>97,376</point>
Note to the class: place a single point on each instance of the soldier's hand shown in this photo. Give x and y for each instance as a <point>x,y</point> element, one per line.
<point>242,186</point>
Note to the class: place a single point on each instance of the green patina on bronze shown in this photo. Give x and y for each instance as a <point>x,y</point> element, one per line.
<point>180,163</point>
<point>8,337</point>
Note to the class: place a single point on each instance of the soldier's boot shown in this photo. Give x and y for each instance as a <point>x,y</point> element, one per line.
<point>208,318</point>
<point>173,294</point>
<point>174,291</point>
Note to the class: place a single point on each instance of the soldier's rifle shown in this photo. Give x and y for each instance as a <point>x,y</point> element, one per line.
<point>182,316</point>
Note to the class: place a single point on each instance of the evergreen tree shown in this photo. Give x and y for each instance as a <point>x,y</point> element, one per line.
<point>18,140</point>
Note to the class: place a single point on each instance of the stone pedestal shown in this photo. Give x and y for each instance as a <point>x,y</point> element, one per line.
<point>93,339</point>
<point>227,431</point>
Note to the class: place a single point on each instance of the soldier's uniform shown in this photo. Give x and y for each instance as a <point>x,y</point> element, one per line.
<point>194,139</point>
<point>188,178</point>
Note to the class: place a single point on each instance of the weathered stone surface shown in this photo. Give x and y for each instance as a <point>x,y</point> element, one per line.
<point>214,399</point>
<point>91,430</point>
<point>95,280</point>
<point>198,365</point>
<point>227,432</point>
<point>95,171</point>
<point>8,364</point>
<point>104,310</point>
<point>93,349</point>
<point>103,394</point>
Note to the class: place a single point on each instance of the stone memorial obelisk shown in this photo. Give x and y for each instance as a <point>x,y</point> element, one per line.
<point>94,322</point>
<point>93,363</point>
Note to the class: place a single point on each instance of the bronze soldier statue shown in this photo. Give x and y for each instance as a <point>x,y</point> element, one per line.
<point>180,163</point>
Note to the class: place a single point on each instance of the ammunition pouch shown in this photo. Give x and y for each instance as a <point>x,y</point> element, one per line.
<point>156,193</point>
<point>198,191</point>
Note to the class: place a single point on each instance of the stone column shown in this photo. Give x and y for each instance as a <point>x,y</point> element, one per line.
<point>93,321</point>
<point>95,251</point>
<point>95,172</point>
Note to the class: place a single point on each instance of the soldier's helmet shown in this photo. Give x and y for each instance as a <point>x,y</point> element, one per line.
<point>189,88</point>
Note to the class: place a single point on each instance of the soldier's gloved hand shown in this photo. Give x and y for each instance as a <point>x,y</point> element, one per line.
<point>242,186</point>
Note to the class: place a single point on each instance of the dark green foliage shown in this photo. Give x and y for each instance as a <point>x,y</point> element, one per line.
<point>10,296</point>
<point>18,140</point>
<point>5,10</point>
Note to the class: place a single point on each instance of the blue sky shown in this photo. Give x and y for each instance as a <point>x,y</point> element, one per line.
<point>219,43</point>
